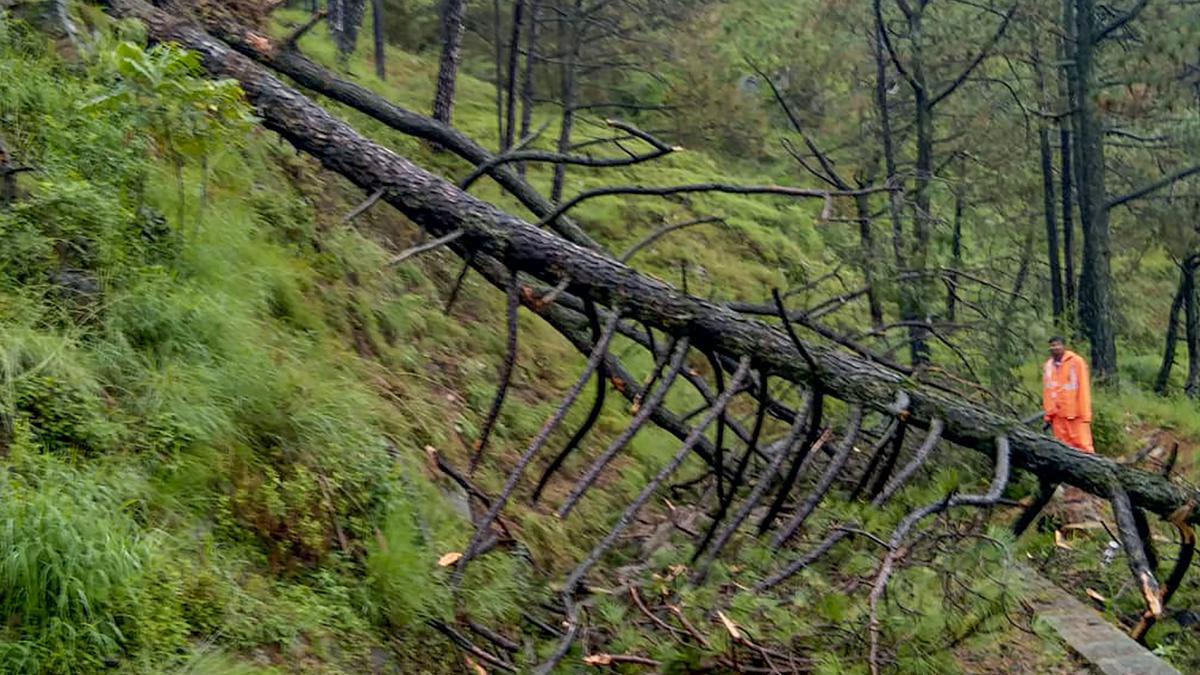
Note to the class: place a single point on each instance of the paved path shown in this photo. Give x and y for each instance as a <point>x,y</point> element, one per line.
<point>1108,649</point>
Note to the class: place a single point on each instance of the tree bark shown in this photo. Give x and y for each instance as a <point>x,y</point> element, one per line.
<point>441,208</point>
<point>527,81</point>
<point>1050,209</point>
<point>955,251</point>
<point>380,42</point>
<point>327,83</point>
<point>501,134</point>
<point>570,39</point>
<point>1068,225</point>
<point>514,59</point>
<point>1192,332</point>
<point>453,14</point>
<point>917,296</point>
<point>1162,382</point>
<point>1096,307</point>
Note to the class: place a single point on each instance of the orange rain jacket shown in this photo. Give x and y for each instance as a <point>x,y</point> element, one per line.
<point>1067,400</point>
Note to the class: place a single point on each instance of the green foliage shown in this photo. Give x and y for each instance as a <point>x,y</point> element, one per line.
<point>70,576</point>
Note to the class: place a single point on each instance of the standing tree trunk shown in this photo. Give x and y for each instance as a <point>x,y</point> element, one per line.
<point>1168,361</point>
<point>345,19</point>
<point>1050,208</point>
<point>570,37</point>
<point>1068,226</point>
<point>380,43</point>
<point>453,13</point>
<point>1192,317</point>
<point>1095,283</point>
<point>514,58</point>
<point>886,140</point>
<point>915,296</point>
<point>956,251</point>
<point>501,134</point>
<point>527,83</point>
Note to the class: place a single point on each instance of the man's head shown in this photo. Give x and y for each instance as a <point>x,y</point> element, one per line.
<point>1058,347</point>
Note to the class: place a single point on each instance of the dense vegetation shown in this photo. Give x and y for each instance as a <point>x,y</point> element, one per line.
<point>222,408</point>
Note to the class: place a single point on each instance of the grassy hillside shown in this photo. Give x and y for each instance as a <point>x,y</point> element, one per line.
<point>218,399</point>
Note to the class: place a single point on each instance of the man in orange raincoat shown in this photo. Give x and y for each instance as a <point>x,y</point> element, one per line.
<point>1067,396</point>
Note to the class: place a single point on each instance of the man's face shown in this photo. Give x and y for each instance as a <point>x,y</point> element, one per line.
<point>1056,350</point>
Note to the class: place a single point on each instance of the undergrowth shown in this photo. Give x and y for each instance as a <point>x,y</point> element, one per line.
<point>218,402</point>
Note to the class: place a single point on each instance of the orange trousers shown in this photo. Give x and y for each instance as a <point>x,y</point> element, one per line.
<point>1075,433</point>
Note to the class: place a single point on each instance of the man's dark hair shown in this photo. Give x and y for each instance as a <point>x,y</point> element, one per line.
<point>1056,338</point>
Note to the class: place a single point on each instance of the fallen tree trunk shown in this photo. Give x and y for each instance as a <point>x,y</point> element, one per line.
<point>442,208</point>
<point>283,58</point>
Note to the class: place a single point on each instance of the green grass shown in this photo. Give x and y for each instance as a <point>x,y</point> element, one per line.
<point>217,463</point>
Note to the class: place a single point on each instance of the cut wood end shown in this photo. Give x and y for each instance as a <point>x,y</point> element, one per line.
<point>1096,596</point>
<point>597,660</point>
<point>449,559</point>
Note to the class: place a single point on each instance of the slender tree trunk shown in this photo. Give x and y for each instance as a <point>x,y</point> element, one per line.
<point>501,134</point>
<point>1095,284</point>
<point>862,205</point>
<point>1050,209</point>
<point>527,80</point>
<point>453,13</point>
<point>916,298</point>
<point>1192,317</point>
<point>1068,226</point>
<point>1168,361</point>
<point>956,251</point>
<point>889,148</point>
<point>514,60</point>
<point>570,37</point>
<point>380,43</point>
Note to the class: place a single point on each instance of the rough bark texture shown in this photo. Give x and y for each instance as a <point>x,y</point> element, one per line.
<point>1168,361</point>
<point>1049,208</point>
<point>327,83</point>
<point>440,208</point>
<point>528,85</point>
<point>380,43</point>
<point>570,41</point>
<point>453,13</point>
<point>1068,223</point>
<point>1192,318</point>
<point>514,56</point>
<point>1096,306</point>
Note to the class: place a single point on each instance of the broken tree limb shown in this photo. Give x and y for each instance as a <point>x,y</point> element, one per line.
<point>818,493</point>
<point>506,371</point>
<point>312,75</point>
<point>577,575</point>
<point>593,415</point>
<point>538,443</point>
<point>647,409</point>
<point>1135,551</point>
<point>896,549</point>
<point>441,208</point>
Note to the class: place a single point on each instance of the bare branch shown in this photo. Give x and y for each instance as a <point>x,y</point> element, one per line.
<point>660,149</point>
<point>647,408</point>
<point>593,414</point>
<point>626,519</point>
<point>1119,22</point>
<point>363,207</point>
<point>423,248</point>
<point>983,53</point>
<point>663,231</point>
<point>289,42</point>
<point>1153,186</point>
<point>539,441</point>
<point>896,550</point>
<point>726,188</point>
